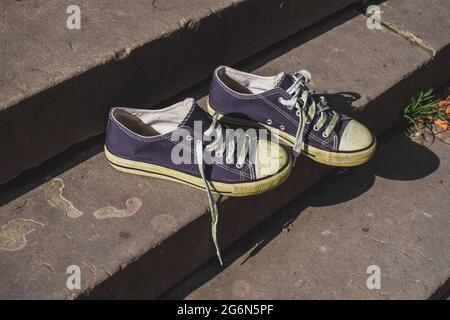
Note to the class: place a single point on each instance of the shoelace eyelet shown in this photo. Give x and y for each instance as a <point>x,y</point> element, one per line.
<point>298,113</point>
<point>315,128</point>
<point>189,138</point>
<point>282,128</point>
<point>239,166</point>
<point>325,135</point>
<point>269,122</point>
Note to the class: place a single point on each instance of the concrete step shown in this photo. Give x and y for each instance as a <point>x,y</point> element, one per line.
<point>144,249</point>
<point>392,213</point>
<point>57,85</point>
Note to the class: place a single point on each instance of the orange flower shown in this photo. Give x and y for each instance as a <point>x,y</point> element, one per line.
<point>444,104</point>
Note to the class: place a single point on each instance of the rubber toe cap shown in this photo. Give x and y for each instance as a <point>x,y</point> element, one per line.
<point>355,137</point>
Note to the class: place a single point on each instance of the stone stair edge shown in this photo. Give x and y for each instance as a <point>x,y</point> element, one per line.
<point>167,65</point>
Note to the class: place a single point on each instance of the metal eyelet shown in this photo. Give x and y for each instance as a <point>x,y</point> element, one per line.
<point>307,121</point>
<point>282,128</point>
<point>315,128</point>
<point>298,113</point>
<point>325,135</point>
<point>189,138</point>
<point>219,154</point>
<point>239,166</point>
<point>269,122</point>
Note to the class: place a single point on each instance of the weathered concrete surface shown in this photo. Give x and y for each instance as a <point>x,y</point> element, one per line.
<point>443,135</point>
<point>100,246</point>
<point>168,237</point>
<point>392,212</point>
<point>56,84</point>
<point>369,74</point>
<point>427,21</point>
<point>426,25</point>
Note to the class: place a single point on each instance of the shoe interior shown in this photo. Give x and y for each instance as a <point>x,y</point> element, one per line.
<point>153,122</point>
<point>247,83</point>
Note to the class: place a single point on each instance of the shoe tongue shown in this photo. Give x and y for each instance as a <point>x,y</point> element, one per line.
<point>285,81</point>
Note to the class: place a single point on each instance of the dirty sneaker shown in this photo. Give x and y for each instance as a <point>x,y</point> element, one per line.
<point>183,144</point>
<point>285,105</point>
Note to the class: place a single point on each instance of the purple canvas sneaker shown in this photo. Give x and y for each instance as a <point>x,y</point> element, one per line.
<point>176,144</point>
<point>284,105</point>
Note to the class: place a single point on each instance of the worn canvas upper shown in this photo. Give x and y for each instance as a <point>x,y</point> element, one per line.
<point>265,107</point>
<point>156,149</point>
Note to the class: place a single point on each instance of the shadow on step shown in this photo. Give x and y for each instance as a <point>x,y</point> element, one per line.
<point>34,177</point>
<point>265,56</point>
<point>396,159</point>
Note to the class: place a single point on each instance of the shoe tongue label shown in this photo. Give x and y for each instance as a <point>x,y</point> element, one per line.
<point>285,81</point>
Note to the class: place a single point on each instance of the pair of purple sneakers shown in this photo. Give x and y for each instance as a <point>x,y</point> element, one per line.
<point>234,149</point>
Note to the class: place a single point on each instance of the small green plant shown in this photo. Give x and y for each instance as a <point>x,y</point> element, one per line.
<point>420,114</point>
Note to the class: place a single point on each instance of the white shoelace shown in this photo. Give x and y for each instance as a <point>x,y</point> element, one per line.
<point>218,146</point>
<point>301,95</point>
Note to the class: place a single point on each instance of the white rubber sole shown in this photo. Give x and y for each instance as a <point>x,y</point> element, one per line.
<point>238,189</point>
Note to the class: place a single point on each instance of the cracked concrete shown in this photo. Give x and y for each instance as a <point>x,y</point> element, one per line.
<point>427,21</point>
<point>406,34</point>
<point>415,40</point>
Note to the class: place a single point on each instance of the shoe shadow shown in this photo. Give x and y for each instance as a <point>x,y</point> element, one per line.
<point>397,158</point>
<point>342,102</point>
